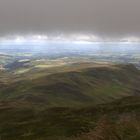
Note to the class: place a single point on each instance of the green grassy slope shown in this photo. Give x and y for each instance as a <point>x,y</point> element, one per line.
<point>76,88</point>
<point>99,103</point>
<point>114,121</point>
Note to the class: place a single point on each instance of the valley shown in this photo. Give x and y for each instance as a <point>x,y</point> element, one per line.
<point>69,96</point>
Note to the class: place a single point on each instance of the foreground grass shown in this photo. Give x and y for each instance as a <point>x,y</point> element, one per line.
<point>119,120</point>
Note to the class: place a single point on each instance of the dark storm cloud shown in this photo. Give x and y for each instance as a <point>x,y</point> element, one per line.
<point>106,18</point>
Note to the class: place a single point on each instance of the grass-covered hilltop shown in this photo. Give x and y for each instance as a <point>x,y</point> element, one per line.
<point>80,101</point>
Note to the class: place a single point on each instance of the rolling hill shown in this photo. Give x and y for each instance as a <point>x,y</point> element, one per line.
<point>81,103</point>
<point>82,87</point>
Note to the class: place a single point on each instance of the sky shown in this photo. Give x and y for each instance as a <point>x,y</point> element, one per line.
<point>83,19</point>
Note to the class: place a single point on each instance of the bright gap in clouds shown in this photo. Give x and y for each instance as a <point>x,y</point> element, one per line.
<point>73,38</point>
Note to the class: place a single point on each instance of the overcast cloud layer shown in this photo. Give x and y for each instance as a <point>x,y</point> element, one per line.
<point>104,18</point>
